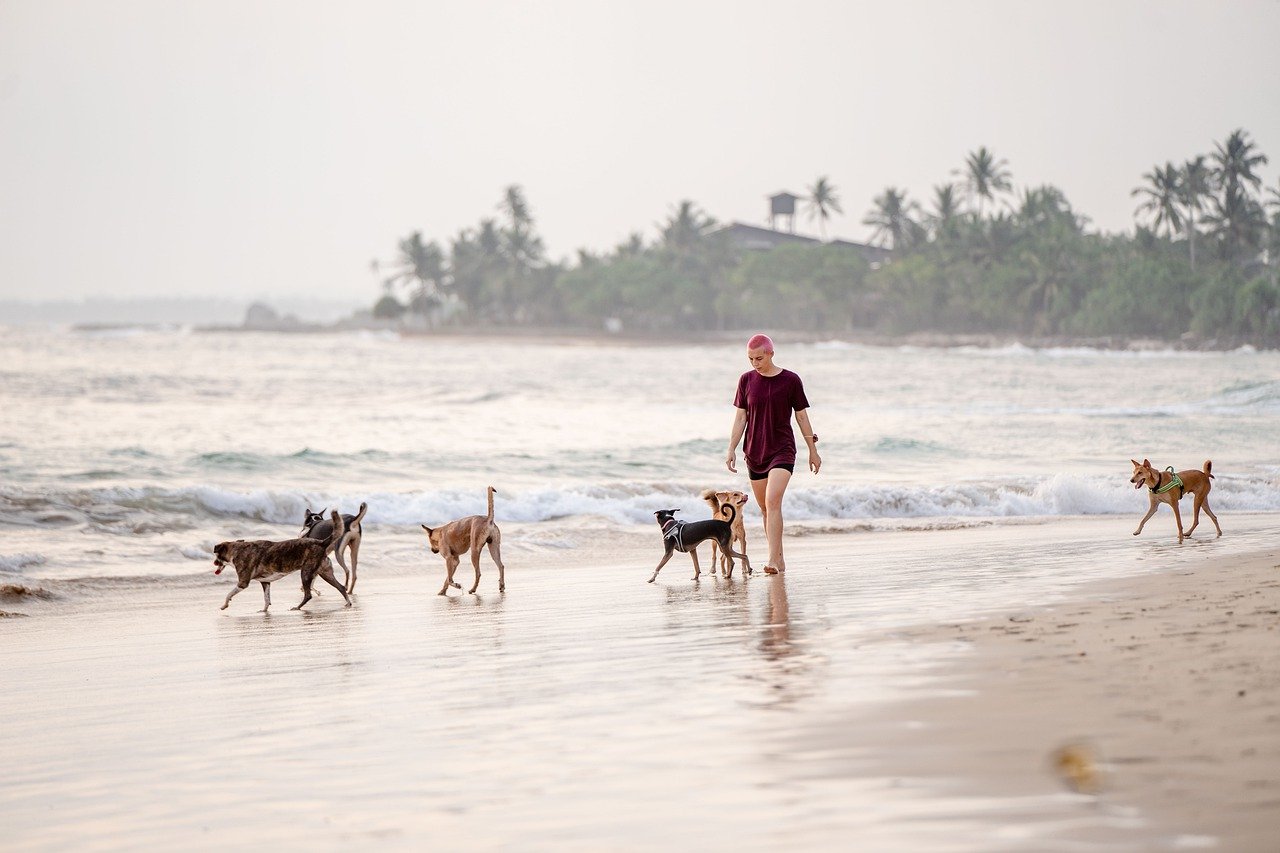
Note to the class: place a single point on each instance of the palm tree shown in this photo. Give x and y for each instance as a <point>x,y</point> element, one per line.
<point>631,247</point>
<point>1235,161</point>
<point>685,228</point>
<point>1162,198</point>
<point>892,219</point>
<point>422,267</point>
<point>946,210</point>
<point>1195,188</point>
<point>523,250</point>
<point>1046,204</point>
<point>516,207</point>
<point>984,176</point>
<point>822,200</point>
<point>1239,223</point>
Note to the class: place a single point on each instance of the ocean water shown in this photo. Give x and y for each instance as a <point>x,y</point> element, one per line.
<point>131,452</point>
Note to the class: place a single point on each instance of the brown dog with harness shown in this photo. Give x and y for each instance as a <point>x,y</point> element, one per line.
<point>1168,487</point>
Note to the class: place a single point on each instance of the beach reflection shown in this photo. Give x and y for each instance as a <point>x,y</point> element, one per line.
<point>788,672</point>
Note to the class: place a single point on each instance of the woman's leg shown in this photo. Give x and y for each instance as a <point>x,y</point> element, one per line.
<point>768,493</point>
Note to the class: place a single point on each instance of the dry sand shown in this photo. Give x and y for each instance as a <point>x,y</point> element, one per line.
<point>1159,695</point>
<point>586,710</point>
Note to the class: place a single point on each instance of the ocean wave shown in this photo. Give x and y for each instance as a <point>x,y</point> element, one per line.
<point>10,592</point>
<point>135,511</point>
<point>18,562</point>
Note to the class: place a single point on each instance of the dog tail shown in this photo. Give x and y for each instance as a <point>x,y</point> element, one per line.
<point>735,512</point>
<point>339,528</point>
<point>492,492</point>
<point>1208,468</point>
<point>709,495</point>
<point>347,534</point>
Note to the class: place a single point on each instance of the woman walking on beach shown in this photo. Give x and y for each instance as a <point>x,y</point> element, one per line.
<point>767,395</point>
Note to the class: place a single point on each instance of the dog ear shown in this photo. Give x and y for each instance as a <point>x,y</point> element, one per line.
<point>428,529</point>
<point>1135,463</point>
<point>1146,463</point>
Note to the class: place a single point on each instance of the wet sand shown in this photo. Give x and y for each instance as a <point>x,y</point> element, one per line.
<point>842,704</point>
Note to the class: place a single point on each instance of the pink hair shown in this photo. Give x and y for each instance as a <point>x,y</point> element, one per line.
<point>763,342</point>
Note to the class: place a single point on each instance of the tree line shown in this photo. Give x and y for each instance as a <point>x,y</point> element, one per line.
<point>981,257</point>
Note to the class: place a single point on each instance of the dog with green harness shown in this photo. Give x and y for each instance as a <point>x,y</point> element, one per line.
<point>1168,487</point>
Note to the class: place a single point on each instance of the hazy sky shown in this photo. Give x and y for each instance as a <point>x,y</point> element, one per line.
<point>250,149</point>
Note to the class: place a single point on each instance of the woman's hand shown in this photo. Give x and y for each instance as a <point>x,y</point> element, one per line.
<point>815,461</point>
<point>731,461</point>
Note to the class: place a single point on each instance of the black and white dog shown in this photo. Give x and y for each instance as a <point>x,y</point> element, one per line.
<point>685,536</point>
<point>316,526</point>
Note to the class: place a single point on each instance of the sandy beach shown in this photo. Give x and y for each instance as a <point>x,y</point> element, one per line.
<point>1156,698</point>
<point>586,709</point>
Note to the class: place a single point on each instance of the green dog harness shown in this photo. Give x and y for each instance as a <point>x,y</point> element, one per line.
<point>1175,482</point>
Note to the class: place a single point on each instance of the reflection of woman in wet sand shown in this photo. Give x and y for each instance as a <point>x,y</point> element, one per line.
<point>767,395</point>
<point>776,640</point>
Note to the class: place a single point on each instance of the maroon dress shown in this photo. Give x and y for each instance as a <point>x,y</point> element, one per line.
<point>769,401</point>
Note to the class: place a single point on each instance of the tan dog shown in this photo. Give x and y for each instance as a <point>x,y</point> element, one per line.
<point>1163,488</point>
<point>468,534</point>
<point>264,561</point>
<point>718,501</point>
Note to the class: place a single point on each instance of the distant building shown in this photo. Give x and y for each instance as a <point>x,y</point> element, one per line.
<point>783,205</point>
<point>754,238</point>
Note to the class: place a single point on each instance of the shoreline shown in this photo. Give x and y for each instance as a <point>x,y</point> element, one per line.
<point>595,337</point>
<point>1153,697</point>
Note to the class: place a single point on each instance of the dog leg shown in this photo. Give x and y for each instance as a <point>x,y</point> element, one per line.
<point>1212,517</point>
<point>1196,500</point>
<point>450,565</point>
<point>1155,504</point>
<point>475,564</point>
<point>697,570</point>
<point>308,577</point>
<point>239,589</point>
<point>354,547</point>
<point>746,564</point>
<point>347,574</point>
<point>326,572</point>
<point>663,562</point>
<point>266,596</point>
<point>1177,517</point>
<point>496,553</point>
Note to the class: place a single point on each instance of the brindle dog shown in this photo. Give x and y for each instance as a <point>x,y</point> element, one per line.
<point>265,561</point>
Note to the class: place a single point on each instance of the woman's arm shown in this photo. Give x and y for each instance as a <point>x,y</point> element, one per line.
<point>735,435</point>
<point>806,430</point>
